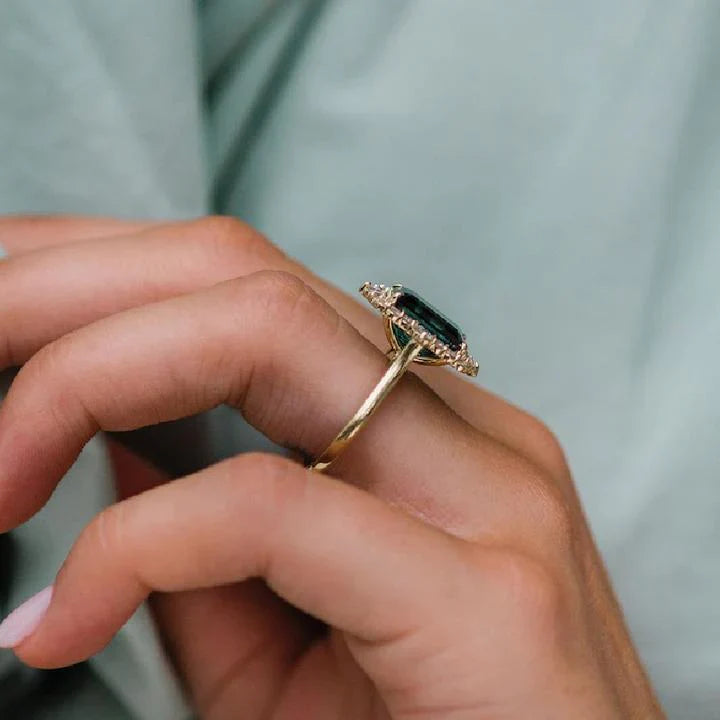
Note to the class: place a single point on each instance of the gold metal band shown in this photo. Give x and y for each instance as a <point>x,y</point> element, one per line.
<point>399,365</point>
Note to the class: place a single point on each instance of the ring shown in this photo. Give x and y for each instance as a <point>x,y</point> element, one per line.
<point>417,332</point>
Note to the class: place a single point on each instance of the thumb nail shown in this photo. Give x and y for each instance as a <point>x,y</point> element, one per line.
<point>23,622</point>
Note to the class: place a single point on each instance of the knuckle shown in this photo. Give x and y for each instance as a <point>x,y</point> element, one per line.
<point>532,594</point>
<point>546,448</point>
<point>276,310</point>
<point>280,481</point>
<point>277,286</point>
<point>49,380</point>
<point>52,371</point>
<point>53,359</point>
<point>286,299</point>
<point>276,489</point>
<point>268,296</point>
<point>264,467</point>
<point>554,525</point>
<point>234,244</point>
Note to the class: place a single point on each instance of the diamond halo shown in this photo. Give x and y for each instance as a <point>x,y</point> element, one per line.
<point>384,298</point>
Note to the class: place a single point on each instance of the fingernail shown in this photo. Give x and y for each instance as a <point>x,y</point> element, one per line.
<point>22,623</point>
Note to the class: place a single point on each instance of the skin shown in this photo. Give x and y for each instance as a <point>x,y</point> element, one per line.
<point>444,570</point>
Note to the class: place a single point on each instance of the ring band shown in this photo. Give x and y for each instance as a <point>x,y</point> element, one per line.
<point>417,332</point>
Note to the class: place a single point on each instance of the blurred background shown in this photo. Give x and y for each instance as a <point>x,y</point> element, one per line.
<point>548,171</point>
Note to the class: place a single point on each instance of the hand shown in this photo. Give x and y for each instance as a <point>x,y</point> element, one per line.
<point>449,563</point>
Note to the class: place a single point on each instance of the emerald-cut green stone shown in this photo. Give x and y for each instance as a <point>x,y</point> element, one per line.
<point>430,318</point>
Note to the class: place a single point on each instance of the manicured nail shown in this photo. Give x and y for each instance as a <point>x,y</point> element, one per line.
<point>22,623</point>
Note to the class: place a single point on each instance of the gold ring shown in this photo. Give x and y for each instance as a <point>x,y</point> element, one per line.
<point>417,332</point>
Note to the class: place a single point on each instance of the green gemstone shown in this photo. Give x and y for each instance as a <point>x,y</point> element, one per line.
<point>430,318</point>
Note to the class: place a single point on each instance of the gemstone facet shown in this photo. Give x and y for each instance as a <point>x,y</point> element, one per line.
<point>429,317</point>
<point>408,317</point>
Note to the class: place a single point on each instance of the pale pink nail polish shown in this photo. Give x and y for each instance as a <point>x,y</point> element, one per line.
<point>23,622</point>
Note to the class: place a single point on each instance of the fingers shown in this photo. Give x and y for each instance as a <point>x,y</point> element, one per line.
<point>249,636</point>
<point>265,344</point>
<point>249,642</point>
<point>269,346</point>
<point>25,233</point>
<point>434,622</point>
<point>326,547</point>
<point>48,294</point>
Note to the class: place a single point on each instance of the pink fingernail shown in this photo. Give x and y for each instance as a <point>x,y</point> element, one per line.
<point>22,623</point>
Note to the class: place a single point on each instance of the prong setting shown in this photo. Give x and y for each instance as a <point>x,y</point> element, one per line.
<point>384,299</point>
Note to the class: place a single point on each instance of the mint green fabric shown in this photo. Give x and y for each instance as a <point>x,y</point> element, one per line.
<point>546,172</point>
